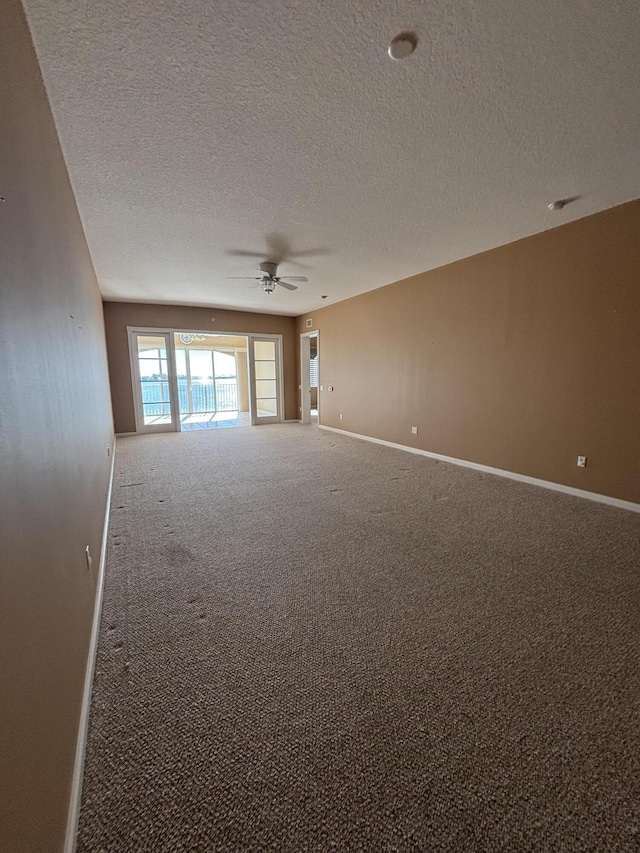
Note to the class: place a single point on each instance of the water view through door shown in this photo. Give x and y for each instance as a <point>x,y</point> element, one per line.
<point>212,379</point>
<point>198,380</point>
<point>152,367</point>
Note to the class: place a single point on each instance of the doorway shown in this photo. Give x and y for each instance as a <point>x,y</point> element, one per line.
<point>310,377</point>
<point>213,380</point>
<point>186,380</point>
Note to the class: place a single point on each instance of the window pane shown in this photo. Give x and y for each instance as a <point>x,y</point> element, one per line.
<point>151,391</point>
<point>202,397</point>
<point>265,370</point>
<point>151,346</point>
<point>265,350</point>
<point>201,365</point>
<point>313,372</point>
<point>150,367</point>
<point>267,408</point>
<point>226,395</point>
<point>265,388</point>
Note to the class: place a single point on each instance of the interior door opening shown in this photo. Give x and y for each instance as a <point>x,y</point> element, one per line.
<point>310,377</point>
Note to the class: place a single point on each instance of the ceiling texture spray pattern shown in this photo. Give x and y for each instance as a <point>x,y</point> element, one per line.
<point>195,132</point>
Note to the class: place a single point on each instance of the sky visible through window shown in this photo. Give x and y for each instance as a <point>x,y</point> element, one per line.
<point>153,364</point>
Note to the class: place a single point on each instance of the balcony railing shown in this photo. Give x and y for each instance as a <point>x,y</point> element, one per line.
<point>220,395</point>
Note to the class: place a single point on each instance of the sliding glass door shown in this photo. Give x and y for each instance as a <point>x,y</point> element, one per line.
<point>212,379</point>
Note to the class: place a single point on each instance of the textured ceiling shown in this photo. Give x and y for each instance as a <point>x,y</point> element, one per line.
<point>194,129</point>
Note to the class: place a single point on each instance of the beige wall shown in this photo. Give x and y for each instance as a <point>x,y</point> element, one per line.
<point>520,358</point>
<point>55,424</point>
<point>119,315</point>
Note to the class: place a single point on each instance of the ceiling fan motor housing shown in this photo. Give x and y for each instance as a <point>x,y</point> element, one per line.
<point>269,268</point>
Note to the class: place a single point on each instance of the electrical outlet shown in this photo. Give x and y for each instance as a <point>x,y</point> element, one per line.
<point>108,450</point>
<point>582,462</point>
<point>87,556</point>
<point>340,415</point>
<point>414,430</point>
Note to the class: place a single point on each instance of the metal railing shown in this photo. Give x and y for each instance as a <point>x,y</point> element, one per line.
<point>219,395</point>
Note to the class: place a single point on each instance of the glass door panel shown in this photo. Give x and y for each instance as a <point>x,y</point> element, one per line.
<point>208,378</point>
<point>265,380</point>
<point>152,368</point>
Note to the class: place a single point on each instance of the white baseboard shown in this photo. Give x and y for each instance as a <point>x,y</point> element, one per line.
<point>83,727</point>
<point>125,434</point>
<point>499,472</point>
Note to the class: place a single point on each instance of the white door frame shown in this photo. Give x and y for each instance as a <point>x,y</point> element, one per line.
<point>276,419</point>
<point>174,424</point>
<point>305,388</point>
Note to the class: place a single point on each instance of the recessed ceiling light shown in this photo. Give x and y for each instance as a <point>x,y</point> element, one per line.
<point>557,205</point>
<point>325,296</point>
<point>402,46</point>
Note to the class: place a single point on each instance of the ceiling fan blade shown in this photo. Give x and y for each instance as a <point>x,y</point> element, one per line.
<point>309,253</point>
<point>242,277</point>
<point>242,253</point>
<point>287,285</point>
<point>296,277</point>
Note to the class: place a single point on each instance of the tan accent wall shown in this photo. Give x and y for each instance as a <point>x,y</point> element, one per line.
<point>520,358</point>
<point>119,315</point>
<point>55,424</point>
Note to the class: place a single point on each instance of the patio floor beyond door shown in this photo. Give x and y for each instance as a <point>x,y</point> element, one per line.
<point>210,421</point>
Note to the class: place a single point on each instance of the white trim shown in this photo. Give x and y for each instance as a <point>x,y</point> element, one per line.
<point>292,421</point>
<point>83,726</point>
<point>125,434</point>
<point>138,405</point>
<point>499,472</point>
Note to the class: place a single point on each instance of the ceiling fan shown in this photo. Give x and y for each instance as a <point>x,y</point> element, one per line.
<point>268,278</point>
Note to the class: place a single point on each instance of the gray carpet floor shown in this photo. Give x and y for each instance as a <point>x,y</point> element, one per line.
<point>312,643</point>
